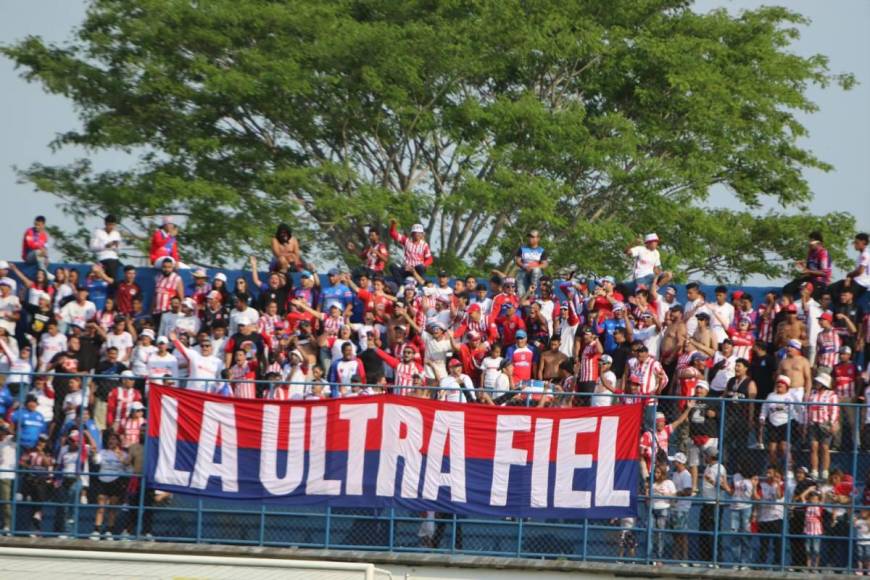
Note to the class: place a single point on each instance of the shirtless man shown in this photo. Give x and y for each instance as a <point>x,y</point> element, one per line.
<point>792,328</point>
<point>797,368</point>
<point>548,365</point>
<point>703,339</point>
<point>673,337</point>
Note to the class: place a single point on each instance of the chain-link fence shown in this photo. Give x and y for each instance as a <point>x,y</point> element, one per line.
<point>775,484</point>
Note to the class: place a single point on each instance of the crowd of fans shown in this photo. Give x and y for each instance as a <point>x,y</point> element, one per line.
<point>531,336</point>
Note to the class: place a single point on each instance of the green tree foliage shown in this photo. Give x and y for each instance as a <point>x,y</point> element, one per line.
<point>591,120</point>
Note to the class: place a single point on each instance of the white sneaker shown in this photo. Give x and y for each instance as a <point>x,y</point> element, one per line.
<point>814,473</point>
<point>825,474</point>
<point>63,537</point>
<point>149,538</point>
<point>95,535</point>
<point>125,537</point>
<point>5,532</point>
<point>108,537</point>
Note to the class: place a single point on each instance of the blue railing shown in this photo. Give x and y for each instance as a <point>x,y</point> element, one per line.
<point>68,510</point>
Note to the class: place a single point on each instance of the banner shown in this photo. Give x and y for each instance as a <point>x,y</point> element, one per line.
<point>394,451</point>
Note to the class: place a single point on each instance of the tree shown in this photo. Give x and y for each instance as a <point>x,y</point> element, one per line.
<point>591,121</point>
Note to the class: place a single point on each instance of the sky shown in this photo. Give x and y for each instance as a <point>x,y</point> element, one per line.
<point>839,132</point>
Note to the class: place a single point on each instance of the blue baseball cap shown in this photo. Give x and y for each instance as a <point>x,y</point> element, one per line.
<point>333,272</point>
<point>521,334</point>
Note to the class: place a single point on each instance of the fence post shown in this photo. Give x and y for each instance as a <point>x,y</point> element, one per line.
<point>717,491</point>
<point>585,538</point>
<point>856,443</point>
<point>262,524</point>
<point>198,520</point>
<point>785,531</point>
<point>328,531</point>
<point>143,478</point>
<point>519,536</point>
<point>16,474</point>
<point>650,483</point>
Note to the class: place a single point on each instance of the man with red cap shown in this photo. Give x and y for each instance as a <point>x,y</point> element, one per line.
<point>792,328</point>
<point>827,342</point>
<point>456,386</point>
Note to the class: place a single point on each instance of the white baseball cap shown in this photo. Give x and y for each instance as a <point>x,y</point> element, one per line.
<point>680,458</point>
<point>650,238</point>
<point>220,276</point>
<point>4,265</point>
<point>160,261</point>
<point>148,332</point>
<point>162,340</point>
<point>417,229</point>
<point>128,374</point>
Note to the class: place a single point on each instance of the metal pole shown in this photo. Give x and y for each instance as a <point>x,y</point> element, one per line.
<point>143,478</point>
<point>262,523</point>
<point>198,520</point>
<point>17,474</point>
<point>785,523</point>
<point>856,438</point>
<point>392,530</point>
<point>650,483</point>
<point>722,413</point>
<point>585,537</point>
<point>519,536</point>
<point>328,531</point>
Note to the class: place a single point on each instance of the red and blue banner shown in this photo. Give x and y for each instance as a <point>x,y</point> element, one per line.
<point>394,451</point>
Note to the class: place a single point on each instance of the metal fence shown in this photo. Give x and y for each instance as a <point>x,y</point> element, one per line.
<point>710,527</point>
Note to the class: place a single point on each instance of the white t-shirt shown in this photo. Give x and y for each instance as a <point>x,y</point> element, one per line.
<point>666,488</point>
<point>140,357</point>
<point>645,261</point>
<point>712,471</point>
<point>100,241</point>
<point>726,312</point>
<point>864,263</point>
<point>602,397</point>
<point>9,305</point>
<point>239,317</point>
<point>75,313</point>
<point>682,481</point>
<point>771,511</point>
<point>742,489</point>
<point>455,394</point>
<point>720,381</point>
<point>49,346</point>
<point>162,366</point>
<point>489,368</point>
<point>123,342</point>
<point>202,367</point>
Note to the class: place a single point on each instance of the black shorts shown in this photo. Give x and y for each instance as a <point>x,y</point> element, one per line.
<point>117,488</point>
<point>821,433</point>
<point>774,434</point>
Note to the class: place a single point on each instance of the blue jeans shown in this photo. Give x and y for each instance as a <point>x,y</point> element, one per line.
<point>526,278</point>
<point>660,521</point>
<point>741,546</point>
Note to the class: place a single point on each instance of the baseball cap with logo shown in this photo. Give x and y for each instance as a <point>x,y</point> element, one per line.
<point>650,238</point>
<point>794,343</point>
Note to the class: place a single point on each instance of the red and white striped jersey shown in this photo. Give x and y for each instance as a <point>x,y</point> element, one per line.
<point>405,376</point>
<point>165,289</point>
<point>281,393</point>
<point>743,342</point>
<point>331,325</point>
<point>845,375</point>
<point>765,325</point>
<point>415,253</point>
<point>130,429</point>
<point>589,363</point>
<point>647,372</point>
<point>683,360</point>
<point>827,348</point>
<point>824,413</point>
<point>245,374</point>
<point>813,521</point>
<point>119,403</point>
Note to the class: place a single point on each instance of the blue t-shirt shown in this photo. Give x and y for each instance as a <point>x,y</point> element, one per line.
<point>98,291</point>
<point>606,329</point>
<point>30,425</point>
<point>338,294</point>
<point>6,400</point>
